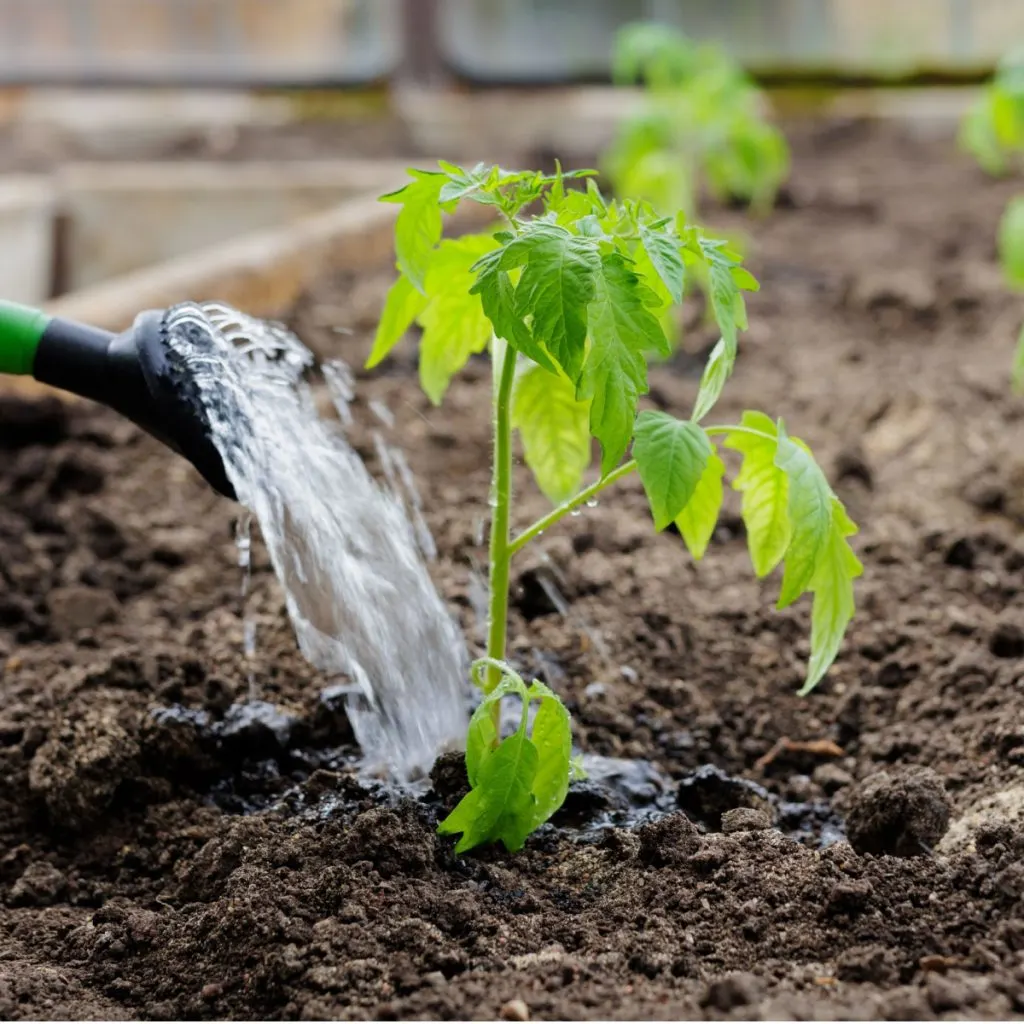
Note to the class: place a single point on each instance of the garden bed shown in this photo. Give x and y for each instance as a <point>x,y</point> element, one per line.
<point>171,848</point>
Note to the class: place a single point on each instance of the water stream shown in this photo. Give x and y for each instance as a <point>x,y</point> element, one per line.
<point>348,552</point>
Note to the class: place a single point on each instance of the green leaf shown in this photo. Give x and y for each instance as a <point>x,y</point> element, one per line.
<point>671,456</point>
<point>554,426</point>
<point>552,736</point>
<point>1011,242</point>
<point>717,371</point>
<point>832,585</point>
<point>502,804</point>
<point>482,736</point>
<point>622,331</point>
<point>403,304</point>
<point>555,288</point>
<point>662,246</point>
<point>454,323</point>
<point>765,491</point>
<point>696,523</point>
<point>1018,364</point>
<point>498,295</point>
<point>418,228</point>
<point>810,516</point>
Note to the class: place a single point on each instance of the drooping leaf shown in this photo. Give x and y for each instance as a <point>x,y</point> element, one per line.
<point>765,491</point>
<point>717,371</point>
<point>555,288</point>
<point>418,227</point>
<point>482,735</point>
<point>554,426</point>
<point>401,307</point>
<point>622,330</point>
<point>671,456</point>
<point>552,736</point>
<point>498,294</point>
<point>663,248</point>
<point>810,516</point>
<point>696,523</point>
<point>832,585</point>
<point>501,804</point>
<point>454,323</point>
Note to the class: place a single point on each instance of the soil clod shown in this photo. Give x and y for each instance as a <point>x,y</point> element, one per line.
<point>904,814</point>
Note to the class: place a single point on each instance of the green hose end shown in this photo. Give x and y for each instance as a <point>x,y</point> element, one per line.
<point>21,328</point>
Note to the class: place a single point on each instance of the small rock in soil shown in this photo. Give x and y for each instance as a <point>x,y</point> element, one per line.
<point>706,794</point>
<point>731,991</point>
<point>40,885</point>
<point>745,819</point>
<point>514,1009</point>
<point>669,841</point>
<point>902,814</point>
<point>75,608</point>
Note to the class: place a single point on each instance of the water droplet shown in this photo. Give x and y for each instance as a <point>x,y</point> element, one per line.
<point>592,503</point>
<point>576,512</point>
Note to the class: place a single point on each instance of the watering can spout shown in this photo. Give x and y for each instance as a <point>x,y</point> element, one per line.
<point>127,372</point>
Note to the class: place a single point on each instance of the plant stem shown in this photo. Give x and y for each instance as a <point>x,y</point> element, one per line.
<point>501,500</point>
<point>567,506</point>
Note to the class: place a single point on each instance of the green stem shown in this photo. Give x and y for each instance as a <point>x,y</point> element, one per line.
<point>737,429</point>
<point>501,500</point>
<point>567,506</point>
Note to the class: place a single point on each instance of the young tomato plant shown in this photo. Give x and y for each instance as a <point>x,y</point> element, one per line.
<point>567,302</point>
<point>993,133</point>
<point>700,122</point>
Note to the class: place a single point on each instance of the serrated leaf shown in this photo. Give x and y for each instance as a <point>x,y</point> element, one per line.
<point>453,321</point>
<point>498,295</point>
<point>832,586</point>
<point>401,307</point>
<point>717,371</point>
<point>696,523</point>
<point>1011,242</point>
<point>622,330</point>
<point>765,490</point>
<point>663,248</point>
<point>554,426</point>
<point>418,227</point>
<point>555,288</point>
<point>501,805</point>
<point>671,456</point>
<point>810,516</point>
<point>552,736</point>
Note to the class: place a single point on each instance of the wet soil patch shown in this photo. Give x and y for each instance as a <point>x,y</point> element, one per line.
<point>183,833</point>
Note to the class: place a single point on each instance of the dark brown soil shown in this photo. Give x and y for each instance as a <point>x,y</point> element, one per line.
<point>181,832</point>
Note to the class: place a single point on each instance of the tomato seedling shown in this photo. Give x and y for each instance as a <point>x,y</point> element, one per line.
<point>700,122</point>
<point>993,133</point>
<point>568,303</point>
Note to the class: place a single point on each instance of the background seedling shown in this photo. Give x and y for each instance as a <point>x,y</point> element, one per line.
<point>568,302</point>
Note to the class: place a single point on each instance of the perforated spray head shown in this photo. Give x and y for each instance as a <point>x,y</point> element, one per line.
<point>138,373</point>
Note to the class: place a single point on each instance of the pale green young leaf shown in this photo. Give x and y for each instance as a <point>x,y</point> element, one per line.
<point>765,490</point>
<point>696,523</point>
<point>1011,242</point>
<point>671,456</point>
<point>556,286</point>
<point>622,330</point>
<point>418,228</point>
<point>717,371</point>
<point>401,307</point>
<point>662,246</point>
<point>552,736</point>
<point>810,516</point>
<point>501,805</point>
<point>1018,364</point>
<point>481,736</point>
<point>554,426</point>
<point>454,323</point>
<point>832,585</point>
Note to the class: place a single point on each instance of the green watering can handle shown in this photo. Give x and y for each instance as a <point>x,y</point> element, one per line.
<point>21,328</point>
